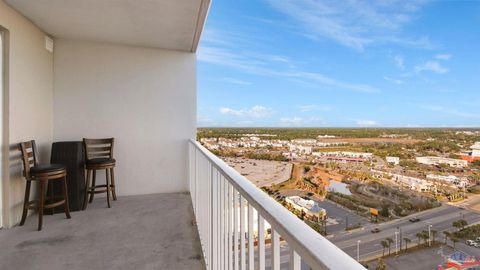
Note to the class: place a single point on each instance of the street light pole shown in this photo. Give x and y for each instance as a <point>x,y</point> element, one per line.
<point>396,242</point>
<point>429,236</point>
<point>400,236</point>
<point>358,250</point>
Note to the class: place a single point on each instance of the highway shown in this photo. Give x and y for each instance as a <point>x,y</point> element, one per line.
<point>440,218</point>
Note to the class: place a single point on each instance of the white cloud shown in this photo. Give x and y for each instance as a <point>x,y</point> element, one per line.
<point>256,111</point>
<point>235,81</point>
<point>315,107</point>
<point>366,123</point>
<point>354,24</point>
<point>431,107</point>
<point>301,122</point>
<point>395,81</point>
<point>264,65</point>
<point>443,56</point>
<point>399,61</point>
<point>432,66</point>
<point>291,121</point>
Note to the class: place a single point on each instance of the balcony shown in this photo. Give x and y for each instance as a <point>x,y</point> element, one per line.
<point>127,69</point>
<point>158,231</point>
<point>139,232</point>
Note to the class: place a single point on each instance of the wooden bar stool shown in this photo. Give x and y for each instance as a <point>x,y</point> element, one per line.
<point>99,156</point>
<point>41,173</point>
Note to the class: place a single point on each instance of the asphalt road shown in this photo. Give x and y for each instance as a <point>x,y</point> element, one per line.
<point>440,218</point>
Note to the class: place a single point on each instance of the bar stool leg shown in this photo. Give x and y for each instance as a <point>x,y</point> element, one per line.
<point>93,186</point>
<point>66,206</point>
<point>41,203</point>
<point>87,189</point>
<point>26,202</point>
<point>107,175</point>
<point>114,193</point>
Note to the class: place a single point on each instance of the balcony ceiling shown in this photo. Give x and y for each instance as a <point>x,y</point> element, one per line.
<point>166,24</point>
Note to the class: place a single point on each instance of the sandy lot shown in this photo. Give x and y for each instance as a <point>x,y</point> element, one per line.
<point>262,173</point>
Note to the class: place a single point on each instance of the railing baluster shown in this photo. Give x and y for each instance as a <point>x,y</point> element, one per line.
<point>225,224</point>
<point>235,230</point>
<point>231,212</point>
<point>261,242</point>
<point>221,197</point>
<point>215,219</point>
<point>251,258</point>
<point>209,214</point>
<point>275,250</point>
<point>219,221</point>
<point>294,259</point>
<point>242,234</point>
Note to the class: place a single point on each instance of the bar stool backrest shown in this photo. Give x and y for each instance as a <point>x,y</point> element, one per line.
<point>98,148</point>
<point>29,156</point>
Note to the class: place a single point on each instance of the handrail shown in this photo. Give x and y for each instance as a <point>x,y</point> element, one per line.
<point>314,249</point>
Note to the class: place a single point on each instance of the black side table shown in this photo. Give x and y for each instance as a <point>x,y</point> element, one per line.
<point>70,154</point>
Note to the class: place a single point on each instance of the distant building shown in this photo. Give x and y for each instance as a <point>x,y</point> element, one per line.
<point>326,136</point>
<point>343,156</point>
<point>393,160</point>
<point>474,154</point>
<point>305,141</point>
<point>311,208</point>
<point>413,183</point>
<point>453,180</point>
<point>431,160</point>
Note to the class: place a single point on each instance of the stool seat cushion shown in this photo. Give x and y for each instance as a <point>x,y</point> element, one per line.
<point>101,161</point>
<point>47,168</point>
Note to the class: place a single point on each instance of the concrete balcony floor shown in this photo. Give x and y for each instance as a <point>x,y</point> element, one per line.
<point>138,232</point>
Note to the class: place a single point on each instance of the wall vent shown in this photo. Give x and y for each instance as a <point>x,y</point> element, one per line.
<point>49,44</point>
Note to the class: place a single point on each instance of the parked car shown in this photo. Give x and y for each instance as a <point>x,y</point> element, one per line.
<point>471,243</point>
<point>414,219</point>
<point>376,230</point>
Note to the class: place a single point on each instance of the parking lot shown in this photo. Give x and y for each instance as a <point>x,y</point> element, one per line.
<point>341,215</point>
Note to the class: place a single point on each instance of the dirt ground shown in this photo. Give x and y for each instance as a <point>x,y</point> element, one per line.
<point>263,173</point>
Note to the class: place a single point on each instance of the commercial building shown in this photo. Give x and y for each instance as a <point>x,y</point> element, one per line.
<point>393,160</point>
<point>431,160</point>
<point>473,154</point>
<point>452,180</point>
<point>311,208</point>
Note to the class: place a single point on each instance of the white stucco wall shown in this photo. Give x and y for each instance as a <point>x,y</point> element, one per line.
<point>145,98</point>
<point>28,103</point>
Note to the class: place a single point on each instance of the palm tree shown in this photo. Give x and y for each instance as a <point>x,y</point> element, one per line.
<point>384,245</point>
<point>407,240</point>
<point>425,237</point>
<point>419,237</point>
<point>433,233</point>
<point>381,265</point>
<point>390,242</point>
<point>460,224</point>
<point>454,240</point>
<point>463,223</point>
<point>447,235</point>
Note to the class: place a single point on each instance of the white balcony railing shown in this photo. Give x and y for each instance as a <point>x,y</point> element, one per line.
<point>226,204</point>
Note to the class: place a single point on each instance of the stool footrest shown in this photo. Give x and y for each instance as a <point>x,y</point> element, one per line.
<point>55,204</point>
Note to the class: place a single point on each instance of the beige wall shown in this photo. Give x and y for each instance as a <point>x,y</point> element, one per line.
<point>145,98</point>
<point>29,102</point>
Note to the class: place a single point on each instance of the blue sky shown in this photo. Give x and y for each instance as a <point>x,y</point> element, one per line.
<point>306,63</point>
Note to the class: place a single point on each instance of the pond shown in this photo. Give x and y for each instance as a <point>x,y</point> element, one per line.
<point>339,187</point>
